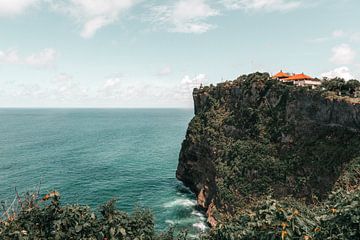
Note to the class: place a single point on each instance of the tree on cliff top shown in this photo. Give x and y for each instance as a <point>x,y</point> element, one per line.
<point>339,85</point>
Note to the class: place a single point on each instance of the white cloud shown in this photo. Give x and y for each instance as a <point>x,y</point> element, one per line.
<point>91,26</point>
<point>14,7</point>
<point>119,90</point>
<point>185,16</point>
<point>191,83</point>
<point>65,87</point>
<point>268,5</point>
<point>29,91</point>
<point>44,58</point>
<point>343,54</point>
<point>9,56</point>
<point>342,72</point>
<point>111,88</point>
<point>187,85</point>
<point>94,14</point>
<point>65,91</point>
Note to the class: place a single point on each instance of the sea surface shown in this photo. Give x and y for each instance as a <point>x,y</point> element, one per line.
<point>93,155</point>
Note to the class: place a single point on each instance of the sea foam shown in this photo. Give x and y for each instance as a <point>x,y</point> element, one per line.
<point>200,225</point>
<point>198,214</point>
<point>170,222</point>
<point>180,202</point>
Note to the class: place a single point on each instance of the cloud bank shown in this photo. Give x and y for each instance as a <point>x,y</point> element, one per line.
<point>341,72</point>
<point>65,90</point>
<point>44,59</point>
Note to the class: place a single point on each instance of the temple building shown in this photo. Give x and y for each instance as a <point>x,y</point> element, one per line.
<point>281,75</point>
<point>297,79</point>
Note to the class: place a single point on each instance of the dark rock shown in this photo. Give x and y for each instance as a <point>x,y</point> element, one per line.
<point>313,138</point>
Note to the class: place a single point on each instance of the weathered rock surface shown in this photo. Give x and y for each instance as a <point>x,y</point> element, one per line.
<point>313,138</point>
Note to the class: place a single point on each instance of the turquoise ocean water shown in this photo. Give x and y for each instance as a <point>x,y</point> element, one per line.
<point>93,155</point>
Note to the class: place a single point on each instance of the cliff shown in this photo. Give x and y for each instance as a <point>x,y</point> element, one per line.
<point>254,137</point>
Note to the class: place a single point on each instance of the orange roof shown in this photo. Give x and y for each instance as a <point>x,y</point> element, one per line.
<point>301,76</point>
<point>281,74</point>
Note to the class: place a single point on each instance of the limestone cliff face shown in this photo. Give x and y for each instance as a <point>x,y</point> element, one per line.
<point>309,137</point>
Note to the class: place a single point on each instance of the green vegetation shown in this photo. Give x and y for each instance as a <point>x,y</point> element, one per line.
<point>261,150</point>
<point>286,158</point>
<point>339,85</point>
<point>336,218</point>
<point>46,219</point>
<point>266,218</point>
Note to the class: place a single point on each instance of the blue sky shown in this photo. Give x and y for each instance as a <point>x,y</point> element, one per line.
<point>137,53</point>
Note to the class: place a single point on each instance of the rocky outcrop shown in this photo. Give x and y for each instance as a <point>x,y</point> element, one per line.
<point>305,136</point>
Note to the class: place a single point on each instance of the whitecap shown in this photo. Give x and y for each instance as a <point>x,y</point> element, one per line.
<point>170,222</point>
<point>197,213</point>
<point>200,215</point>
<point>200,225</point>
<point>180,202</point>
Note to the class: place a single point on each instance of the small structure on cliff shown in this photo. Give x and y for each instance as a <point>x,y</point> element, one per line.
<point>301,79</point>
<point>281,75</point>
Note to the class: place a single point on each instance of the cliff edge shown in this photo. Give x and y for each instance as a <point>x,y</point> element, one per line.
<point>255,136</point>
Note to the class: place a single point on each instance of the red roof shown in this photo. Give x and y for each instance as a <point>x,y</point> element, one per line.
<point>281,74</point>
<point>301,76</point>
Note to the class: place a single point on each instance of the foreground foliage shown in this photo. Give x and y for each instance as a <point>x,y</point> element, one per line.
<point>40,219</point>
<point>336,218</point>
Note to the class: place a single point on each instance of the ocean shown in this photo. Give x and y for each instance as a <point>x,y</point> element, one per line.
<point>93,155</point>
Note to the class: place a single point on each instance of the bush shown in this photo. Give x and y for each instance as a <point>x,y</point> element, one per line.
<point>269,219</point>
<point>340,216</point>
<point>340,86</point>
<point>50,220</point>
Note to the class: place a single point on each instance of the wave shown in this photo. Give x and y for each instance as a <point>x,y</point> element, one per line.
<point>201,226</point>
<point>170,222</point>
<point>198,214</point>
<point>180,202</point>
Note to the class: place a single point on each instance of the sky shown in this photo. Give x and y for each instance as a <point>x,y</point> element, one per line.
<point>152,53</point>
